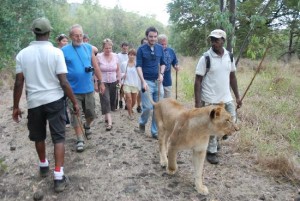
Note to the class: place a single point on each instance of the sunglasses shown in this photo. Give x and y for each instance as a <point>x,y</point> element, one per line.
<point>62,36</point>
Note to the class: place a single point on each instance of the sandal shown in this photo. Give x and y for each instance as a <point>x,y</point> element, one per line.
<point>87,131</point>
<point>80,146</point>
<point>130,117</point>
<point>108,127</point>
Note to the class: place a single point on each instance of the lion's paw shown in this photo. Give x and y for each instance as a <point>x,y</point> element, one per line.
<point>171,171</point>
<point>202,189</point>
<point>163,164</point>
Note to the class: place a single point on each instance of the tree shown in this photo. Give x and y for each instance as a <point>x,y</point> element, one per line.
<point>250,26</point>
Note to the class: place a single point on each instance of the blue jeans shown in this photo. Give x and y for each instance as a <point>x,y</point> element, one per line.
<point>147,107</point>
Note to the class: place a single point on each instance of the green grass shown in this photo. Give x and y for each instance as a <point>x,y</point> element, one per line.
<point>294,137</point>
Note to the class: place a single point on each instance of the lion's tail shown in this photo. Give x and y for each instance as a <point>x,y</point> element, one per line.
<point>150,98</point>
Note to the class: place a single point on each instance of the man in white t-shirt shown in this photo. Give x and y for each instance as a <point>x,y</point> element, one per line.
<point>212,85</point>
<point>123,57</point>
<point>43,69</point>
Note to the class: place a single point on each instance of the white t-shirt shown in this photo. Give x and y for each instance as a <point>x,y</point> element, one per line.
<point>122,58</point>
<point>132,77</point>
<point>40,63</point>
<point>216,83</point>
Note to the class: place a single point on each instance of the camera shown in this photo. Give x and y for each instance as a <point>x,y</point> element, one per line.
<point>89,69</point>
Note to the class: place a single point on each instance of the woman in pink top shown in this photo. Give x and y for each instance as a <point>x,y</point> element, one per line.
<point>109,66</point>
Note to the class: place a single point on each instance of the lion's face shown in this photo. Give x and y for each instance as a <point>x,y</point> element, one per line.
<point>222,121</point>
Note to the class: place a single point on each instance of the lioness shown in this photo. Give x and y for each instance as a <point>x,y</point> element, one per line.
<point>180,128</point>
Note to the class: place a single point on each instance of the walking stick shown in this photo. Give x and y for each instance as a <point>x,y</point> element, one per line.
<point>79,122</point>
<point>158,83</point>
<point>257,70</point>
<point>176,86</point>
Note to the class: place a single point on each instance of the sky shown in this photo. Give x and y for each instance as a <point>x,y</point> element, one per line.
<point>141,7</point>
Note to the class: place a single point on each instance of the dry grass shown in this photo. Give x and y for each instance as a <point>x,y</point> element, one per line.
<point>270,116</point>
<point>6,78</point>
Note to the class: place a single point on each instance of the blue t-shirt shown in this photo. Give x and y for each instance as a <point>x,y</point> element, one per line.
<point>77,59</point>
<point>149,60</point>
<point>170,60</point>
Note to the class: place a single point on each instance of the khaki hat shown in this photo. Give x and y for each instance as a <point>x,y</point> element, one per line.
<point>218,33</point>
<point>41,26</point>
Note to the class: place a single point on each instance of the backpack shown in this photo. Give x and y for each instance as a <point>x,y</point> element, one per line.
<point>207,60</point>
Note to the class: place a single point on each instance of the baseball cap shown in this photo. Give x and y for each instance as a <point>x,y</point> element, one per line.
<point>218,33</point>
<point>41,25</point>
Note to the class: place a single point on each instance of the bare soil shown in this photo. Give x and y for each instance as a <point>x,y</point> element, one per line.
<point>123,165</point>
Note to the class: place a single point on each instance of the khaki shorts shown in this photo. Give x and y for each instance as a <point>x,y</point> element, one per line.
<point>86,104</point>
<point>130,89</point>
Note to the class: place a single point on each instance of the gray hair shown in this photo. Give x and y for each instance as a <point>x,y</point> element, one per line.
<point>75,26</point>
<point>162,37</point>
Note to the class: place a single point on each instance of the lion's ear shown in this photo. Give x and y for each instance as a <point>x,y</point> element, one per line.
<point>214,113</point>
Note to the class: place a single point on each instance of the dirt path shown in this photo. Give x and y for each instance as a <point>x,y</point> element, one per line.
<point>123,165</point>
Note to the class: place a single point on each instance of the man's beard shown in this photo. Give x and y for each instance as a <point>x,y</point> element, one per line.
<point>77,43</point>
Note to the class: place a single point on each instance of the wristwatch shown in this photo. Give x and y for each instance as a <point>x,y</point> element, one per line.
<point>162,74</point>
<point>99,81</point>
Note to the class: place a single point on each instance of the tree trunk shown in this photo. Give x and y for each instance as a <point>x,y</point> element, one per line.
<point>232,9</point>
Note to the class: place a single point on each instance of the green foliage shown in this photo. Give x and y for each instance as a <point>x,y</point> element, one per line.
<point>194,19</point>
<point>98,22</point>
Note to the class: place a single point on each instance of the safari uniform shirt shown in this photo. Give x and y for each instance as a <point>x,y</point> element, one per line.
<point>216,83</point>
<point>40,63</point>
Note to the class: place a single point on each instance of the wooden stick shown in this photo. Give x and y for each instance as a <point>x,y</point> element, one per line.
<point>257,70</point>
<point>81,127</point>
<point>158,82</point>
<point>176,86</point>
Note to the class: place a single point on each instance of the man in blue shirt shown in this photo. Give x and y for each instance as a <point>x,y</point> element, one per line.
<point>82,64</point>
<point>150,66</point>
<point>170,59</point>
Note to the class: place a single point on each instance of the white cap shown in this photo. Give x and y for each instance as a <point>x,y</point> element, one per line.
<point>218,33</point>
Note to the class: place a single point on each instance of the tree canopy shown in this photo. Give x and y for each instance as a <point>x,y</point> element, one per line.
<point>98,22</point>
<point>270,20</point>
<point>250,25</point>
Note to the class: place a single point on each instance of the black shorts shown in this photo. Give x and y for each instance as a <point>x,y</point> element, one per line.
<point>37,121</point>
